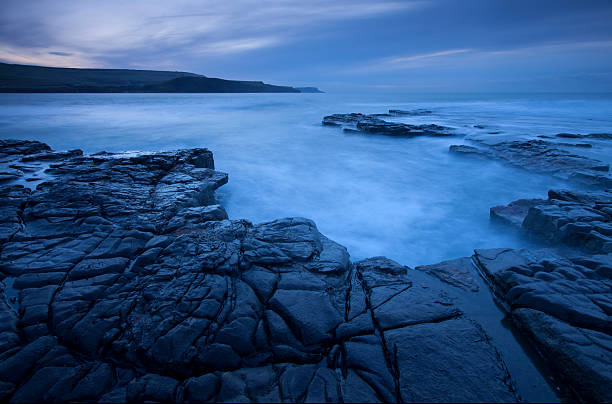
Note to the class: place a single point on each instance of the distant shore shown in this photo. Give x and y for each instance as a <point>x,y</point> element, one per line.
<point>39,79</point>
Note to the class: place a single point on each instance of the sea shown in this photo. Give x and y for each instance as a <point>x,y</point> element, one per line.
<point>405,198</point>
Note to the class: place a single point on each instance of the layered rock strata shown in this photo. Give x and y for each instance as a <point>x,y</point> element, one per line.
<point>374,124</point>
<point>543,157</point>
<point>577,219</point>
<point>562,303</point>
<point>564,306</point>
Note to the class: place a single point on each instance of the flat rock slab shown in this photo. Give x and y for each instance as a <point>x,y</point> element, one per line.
<point>123,280</point>
<point>373,124</point>
<point>576,219</point>
<point>602,136</point>
<point>515,212</point>
<point>542,156</point>
<point>454,272</point>
<point>564,307</point>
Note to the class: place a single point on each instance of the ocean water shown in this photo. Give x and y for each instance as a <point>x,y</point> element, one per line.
<point>408,199</point>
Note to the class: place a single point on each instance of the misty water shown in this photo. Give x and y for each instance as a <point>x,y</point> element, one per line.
<point>408,199</point>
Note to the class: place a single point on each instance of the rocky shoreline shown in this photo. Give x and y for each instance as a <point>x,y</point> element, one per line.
<point>374,124</point>
<point>123,279</point>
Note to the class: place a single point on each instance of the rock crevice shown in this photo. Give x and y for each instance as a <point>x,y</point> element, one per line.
<point>130,283</point>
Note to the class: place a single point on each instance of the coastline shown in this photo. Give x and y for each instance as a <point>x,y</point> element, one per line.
<point>279,272</point>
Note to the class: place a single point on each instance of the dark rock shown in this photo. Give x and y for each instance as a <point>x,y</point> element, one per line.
<point>582,145</point>
<point>309,90</point>
<point>52,155</point>
<point>372,124</point>
<point>577,219</point>
<point>457,272</point>
<point>47,384</point>
<point>22,147</point>
<point>425,352</point>
<point>133,285</point>
<point>465,149</point>
<point>92,267</point>
<point>12,201</point>
<point>152,387</point>
<point>201,389</point>
<point>297,306</point>
<point>540,156</point>
<point>569,135</point>
<point>582,355</point>
<point>605,136</point>
<point>20,364</point>
<point>411,323</point>
<point>414,112</point>
<point>592,179</point>
<point>515,212</point>
<point>563,306</point>
<point>381,264</point>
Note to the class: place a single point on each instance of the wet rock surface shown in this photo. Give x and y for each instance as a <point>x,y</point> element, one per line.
<point>561,302</point>
<point>559,298</point>
<point>515,212</point>
<point>455,272</point>
<point>374,124</point>
<point>564,306</point>
<point>122,279</point>
<point>544,157</point>
<point>577,219</point>
<point>606,136</point>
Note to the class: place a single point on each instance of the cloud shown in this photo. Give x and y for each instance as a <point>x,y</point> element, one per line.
<point>41,56</point>
<point>106,31</point>
<point>60,53</point>
<point>562,47</point>
<point>359,42</point>
<point>407,61</point>
<point>473,57</point>
<point>231,46</point>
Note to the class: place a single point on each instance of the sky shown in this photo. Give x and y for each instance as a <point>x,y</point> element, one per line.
<point>336,45</point>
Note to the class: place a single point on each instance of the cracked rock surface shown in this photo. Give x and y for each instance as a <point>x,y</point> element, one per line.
<point>577,219</point>
<point>564,306</point>
<point>122,279</point>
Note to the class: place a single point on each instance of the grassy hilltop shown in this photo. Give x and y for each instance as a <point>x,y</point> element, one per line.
<point>38,79</point>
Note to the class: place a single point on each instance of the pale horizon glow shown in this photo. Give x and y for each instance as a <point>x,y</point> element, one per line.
<point>475,45</point>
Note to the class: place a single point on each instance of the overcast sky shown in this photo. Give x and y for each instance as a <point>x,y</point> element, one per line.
<point>337,45</point>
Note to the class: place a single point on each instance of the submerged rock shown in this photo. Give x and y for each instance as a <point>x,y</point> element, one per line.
<point>414,112</point>
<point>604,136</point>
<point>542,156</point>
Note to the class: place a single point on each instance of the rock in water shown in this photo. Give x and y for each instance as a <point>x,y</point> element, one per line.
<point>125,281</point>
<point>515,212</point>
<point>372,124</point>
<point>544,157</point>
<point>576,219</point>
<point>564,307</point>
